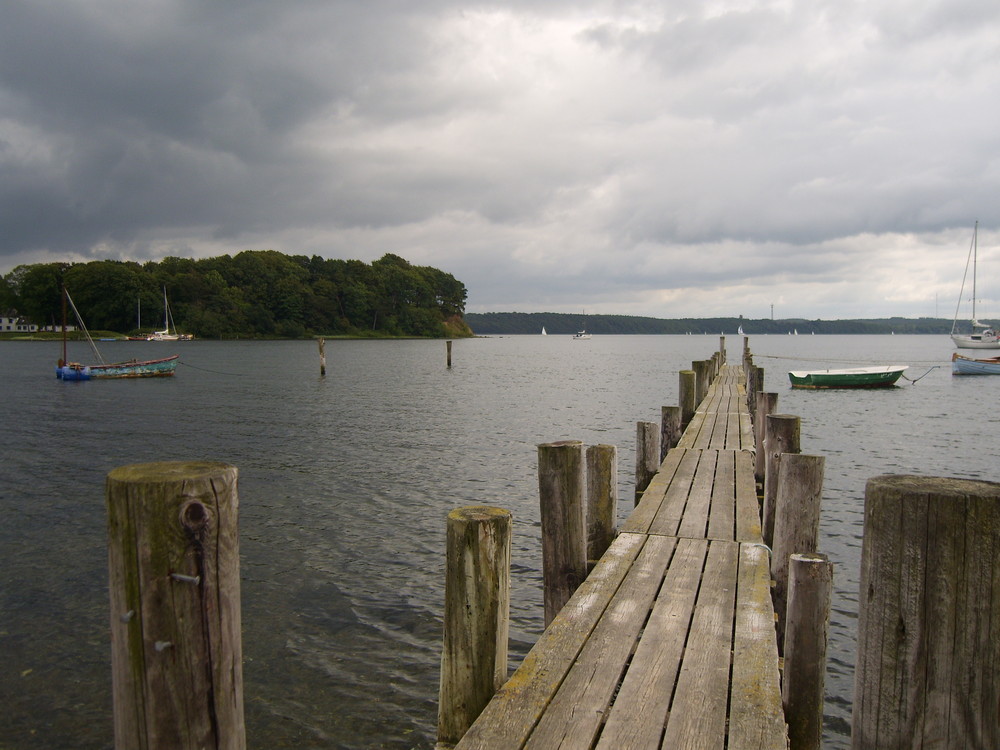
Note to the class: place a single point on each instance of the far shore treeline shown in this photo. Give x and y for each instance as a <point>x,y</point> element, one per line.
<point>509,323</point>
<point>253,294</point>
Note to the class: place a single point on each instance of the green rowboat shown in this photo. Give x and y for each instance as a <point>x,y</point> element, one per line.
<point>883,376</point>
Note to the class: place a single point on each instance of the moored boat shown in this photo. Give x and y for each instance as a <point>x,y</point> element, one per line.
<point>881,376</point>
<point>983,335</point>
<point>581,336</point>
<point>961,365</point>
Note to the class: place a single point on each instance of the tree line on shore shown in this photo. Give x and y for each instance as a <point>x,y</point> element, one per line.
<point>502,323</point>
<point>255,293</point>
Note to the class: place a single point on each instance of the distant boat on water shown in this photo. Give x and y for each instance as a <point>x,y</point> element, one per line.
<point>883,376</point>
<point>169,332</point>
<point>961,365</point>
<point>988,337</point>
<point>581,335</point>
<point>544,333</point>
<point>66,370</point>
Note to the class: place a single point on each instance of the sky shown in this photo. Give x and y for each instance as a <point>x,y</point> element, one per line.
<point>690,158</point>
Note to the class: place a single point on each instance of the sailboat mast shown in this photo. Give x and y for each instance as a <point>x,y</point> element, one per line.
<point>975,260</point>
<point>63,361</point>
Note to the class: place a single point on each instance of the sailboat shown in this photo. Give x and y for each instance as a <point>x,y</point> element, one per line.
<point>988,337</point>
<point>169,332</point>
<point>544,332</point>
<point>66,370</point>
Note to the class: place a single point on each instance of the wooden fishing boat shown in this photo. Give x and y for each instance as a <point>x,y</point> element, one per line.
<point>133,368</point>
<point>881,376</point>
<point>961,365</point>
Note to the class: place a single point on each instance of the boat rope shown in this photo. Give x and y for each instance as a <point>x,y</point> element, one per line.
<point>837,361</point>
<point>216,372</point>
<point>913,381</point>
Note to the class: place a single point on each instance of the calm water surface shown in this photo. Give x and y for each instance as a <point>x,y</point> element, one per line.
<point>345,482</point>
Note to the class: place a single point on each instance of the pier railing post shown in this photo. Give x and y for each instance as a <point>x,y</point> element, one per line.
<point>804,677</point>
<point>796,521</point>
<point>766,403</point>
<point>781,435</point>
<point>722,350</point>
<point>602,499</point>
<point>476,616</point>
<point>561,492</point>
<point>928,667</point>
<point>670,429</point>
<point>647,455</point>
<point>700,369</point>
<point>686,396</point>
<point>174,579</point>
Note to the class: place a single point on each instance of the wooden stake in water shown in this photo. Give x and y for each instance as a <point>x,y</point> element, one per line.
<point>561,483</point>
<point>448,347</point>
<point>602,499</point>
<point>322,356</point>
<point>174,569</point>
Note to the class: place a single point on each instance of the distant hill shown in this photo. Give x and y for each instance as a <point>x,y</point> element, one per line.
<point>491,324</point>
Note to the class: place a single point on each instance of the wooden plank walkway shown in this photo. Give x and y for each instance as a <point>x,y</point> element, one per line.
<point>670,641</point>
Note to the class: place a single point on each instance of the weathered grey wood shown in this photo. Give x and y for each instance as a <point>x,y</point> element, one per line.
<point>653,498</point>
<point>686,395</point>
<point>781,435</point>
<point>670,429</point>
<point>722,515</point>
<point>602,498</point>
<point>802,689</point>
<point>755,718</point>
<point>928,667</point>
<point>767,403</point>
<point>747,506</point>
<point>700,368</point>
<point>576,712</point>
<point>561,483</point>
<point>174,570</point>
<point>643,703</point>
<point>513,713</point>
<point>647,455</point>
<point>476,616</point>
<point>796,520</point>
<point>322,356</point>
<point>722,350</point>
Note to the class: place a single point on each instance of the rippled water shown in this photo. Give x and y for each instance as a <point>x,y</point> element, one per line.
<point>345,482</point>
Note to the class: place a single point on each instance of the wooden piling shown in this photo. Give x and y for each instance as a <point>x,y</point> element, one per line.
<point>722,350</point>
<point>928,667</point>
<point>448,347</point>
<point>670,429</point>
<point>700,369</point>
<point>174,579</point>
<point>647,455</point>
<point>476,616</point>
<point>686,396</point>
<point>781,435</point>
<point>796,521</point>
<point>766,403</point>
<point>602,499</point>
<point>564,535</point>
<point>322,356</point>
<point>804,677</point>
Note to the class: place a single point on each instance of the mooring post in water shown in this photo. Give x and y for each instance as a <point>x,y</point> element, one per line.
<point>322,356</point>
<point>804,676</point>
<point>602,499</point>
<point>476,616</point>
<point>700,368</point>
<point>174,579</point>
<point>781,435</point>
<point>670,429</point>
<point>722,349</point>
<point>928,666</point>
<point>448,347</point>
<point>561,493</point>
<point>686,396</point>
<point>647,455</point>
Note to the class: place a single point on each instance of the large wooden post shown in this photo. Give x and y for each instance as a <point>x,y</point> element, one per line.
<point>602,499</point>
<point>670,429</point>
<point>928,667</point>
<point>700,368</point>
<point>476,616</point>
<point>564,535</point>
<point>686,396</point>
<point>796,520</point>
<point>174,570</point>
<point>448,349</point>
<point>322,356</point>
<point>781,435</point>
<point>647,455</point>
<point>766,403</point>
<point>804,677</point>
<point>722,350</point>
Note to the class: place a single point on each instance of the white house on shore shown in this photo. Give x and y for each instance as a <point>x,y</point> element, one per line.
<point>11,322</point>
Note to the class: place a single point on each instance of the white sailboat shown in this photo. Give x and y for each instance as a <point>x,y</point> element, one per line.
<point>544,332</point>
<point>987,337</point>
<point>169,332</point>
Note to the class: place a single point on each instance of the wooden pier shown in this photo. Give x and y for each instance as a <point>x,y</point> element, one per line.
<point>670,641</point>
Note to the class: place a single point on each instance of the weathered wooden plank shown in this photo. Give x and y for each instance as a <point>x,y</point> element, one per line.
<point>671,510</point>
<point>574,717</point>
<point>722,519</point>
<point>698,713</point>
<point>509,718</point>
<point>694,521</point>
<point>756,719</point>
<point>747,506</point>
<point>640,710</point>
<point>641,518</point>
